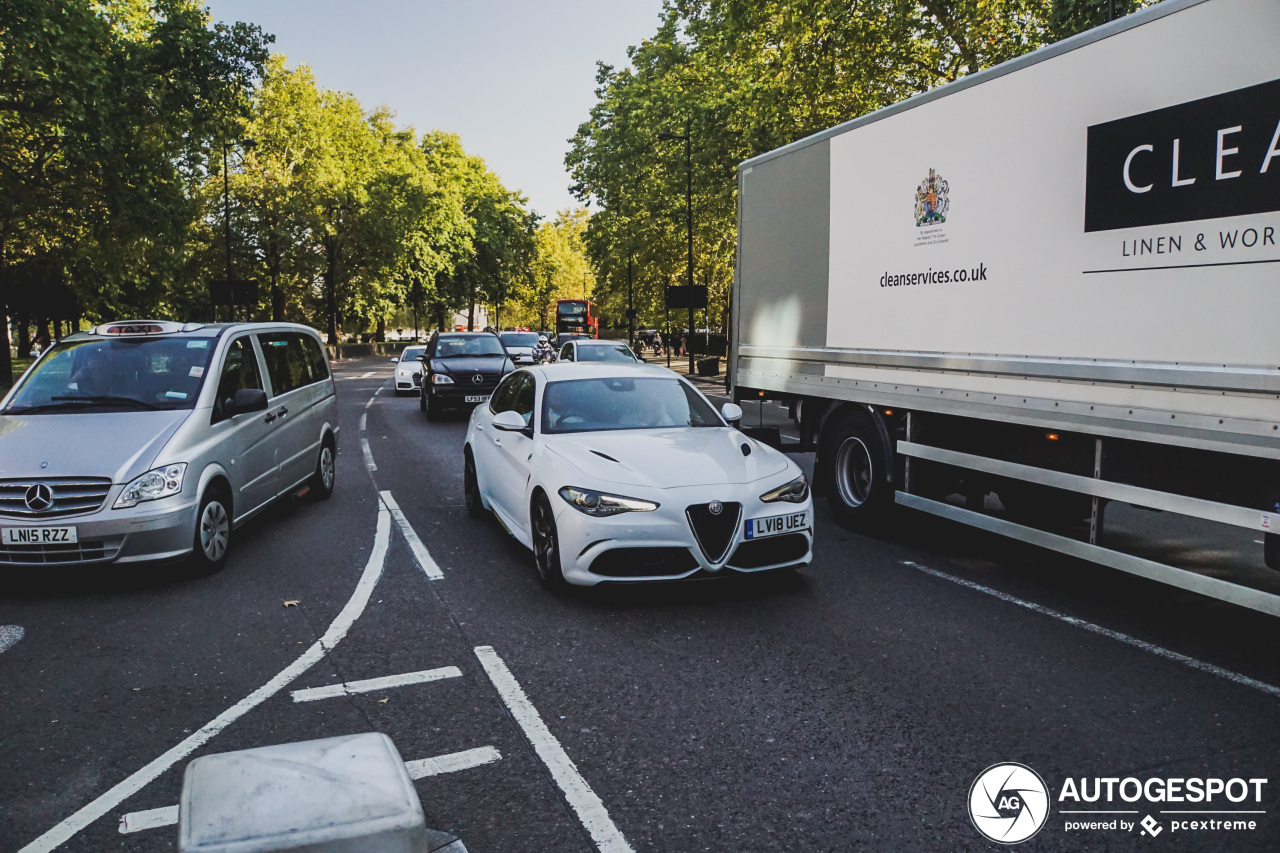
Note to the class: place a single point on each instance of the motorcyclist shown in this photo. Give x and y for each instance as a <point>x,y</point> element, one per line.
<point>543,353</point>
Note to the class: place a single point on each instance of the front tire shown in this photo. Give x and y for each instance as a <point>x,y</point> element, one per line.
<point>546,543</point>
<point>212,539</point>
<point>471,488</point>
<point>429,406</point>
<point>853,454</point>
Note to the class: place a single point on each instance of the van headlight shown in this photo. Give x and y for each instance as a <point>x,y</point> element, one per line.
<point>795,492</point>
<point>153,485</point>
<point>600,504</point>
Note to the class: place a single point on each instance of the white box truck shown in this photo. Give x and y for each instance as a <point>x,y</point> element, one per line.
<point>1056,281</point>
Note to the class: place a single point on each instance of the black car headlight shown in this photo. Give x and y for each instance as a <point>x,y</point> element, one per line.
<point>795,492</point>
<point>441,379</point>
<point>599,504</point>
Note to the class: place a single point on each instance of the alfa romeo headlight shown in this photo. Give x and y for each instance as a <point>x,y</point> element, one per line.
<point>795,492</point>
<point>153,485</point>
<point>441,379</point>
<point>600,504</point>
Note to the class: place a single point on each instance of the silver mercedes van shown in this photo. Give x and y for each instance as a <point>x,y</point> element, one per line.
<point>152,440</point>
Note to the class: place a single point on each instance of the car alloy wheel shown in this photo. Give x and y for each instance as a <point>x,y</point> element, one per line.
<point>325,476</point>
<point>212,540</point>
<point>546,543</point>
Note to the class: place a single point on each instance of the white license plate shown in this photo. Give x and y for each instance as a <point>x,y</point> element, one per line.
<point>774,525</point>
<point>477,398</point>
<point>39,536</point>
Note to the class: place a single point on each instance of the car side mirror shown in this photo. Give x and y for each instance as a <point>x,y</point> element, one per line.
<point>732,413</point>
<point>509,421</point>
<point>248,400</point>
<point>394,360</point>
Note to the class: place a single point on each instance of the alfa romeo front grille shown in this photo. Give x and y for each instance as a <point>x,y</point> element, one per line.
<point>713,531</point>
<point>70,496</point>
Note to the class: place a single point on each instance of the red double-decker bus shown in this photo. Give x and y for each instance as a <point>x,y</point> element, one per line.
<point>577,317</point>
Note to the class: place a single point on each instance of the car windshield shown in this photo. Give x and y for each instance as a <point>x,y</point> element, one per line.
<point>613,403</point>
<point>115,374</point>
<point>471,345</point>
<point>412,353</point>
<point>604,352</point>
<point>520,339</point>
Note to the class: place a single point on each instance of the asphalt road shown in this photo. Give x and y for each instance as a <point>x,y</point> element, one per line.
<point>849,707</point>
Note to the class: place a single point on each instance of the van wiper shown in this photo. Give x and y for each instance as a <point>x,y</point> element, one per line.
<point>105,399</point>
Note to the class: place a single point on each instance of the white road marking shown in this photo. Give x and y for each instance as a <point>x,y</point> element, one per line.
<point>367,375</point>
<point>419,550</point>
<point>590,810</point>
<point>150,819</point>
<point>452,762</point>
<point>364,420</point>
<point>1107,632</point>
<point>420,769</point>
<point>368,455</point>
<point>337,630</point>
<point>9,636</point>
<point>369,685</point>
<point>370,403</point>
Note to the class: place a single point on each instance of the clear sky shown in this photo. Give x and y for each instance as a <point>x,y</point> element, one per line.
<point>514,79</point>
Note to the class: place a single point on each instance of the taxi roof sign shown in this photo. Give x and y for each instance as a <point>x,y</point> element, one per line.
<point>138,327</point>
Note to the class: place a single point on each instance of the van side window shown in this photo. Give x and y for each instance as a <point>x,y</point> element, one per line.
<point>239,370</point>
<point>293,360</point>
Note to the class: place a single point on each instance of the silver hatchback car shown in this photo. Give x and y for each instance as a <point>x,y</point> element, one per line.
<point>151,440</point>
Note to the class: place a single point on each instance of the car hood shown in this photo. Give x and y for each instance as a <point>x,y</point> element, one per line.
<point>667,458</point>
<point>119,445</point>
<point>462,365</point>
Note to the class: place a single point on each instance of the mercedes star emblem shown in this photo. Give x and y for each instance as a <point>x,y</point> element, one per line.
<point>39,497</point>
<point>715,507</point>
<point>477,379</point>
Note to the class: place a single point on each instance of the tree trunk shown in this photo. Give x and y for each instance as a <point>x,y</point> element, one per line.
<point>380,335</point>
<point>277,295</point>
<point>471,311</point>
<point>24,336</point>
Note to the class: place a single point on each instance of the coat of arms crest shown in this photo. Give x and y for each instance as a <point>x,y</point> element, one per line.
<point>931,200</point>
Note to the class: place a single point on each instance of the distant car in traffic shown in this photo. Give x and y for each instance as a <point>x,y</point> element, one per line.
<point>590,349</point>
<point>615,472</point>
<point>148,440</point>
<point>460,370</point>
<point>408,370</point>
<point>519,345</point>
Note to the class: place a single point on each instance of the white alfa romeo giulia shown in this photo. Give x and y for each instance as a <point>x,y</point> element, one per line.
<point>614,472</point>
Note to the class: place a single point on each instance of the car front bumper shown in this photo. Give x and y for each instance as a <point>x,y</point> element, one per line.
<point>144,533</point>
<point>663,540</point>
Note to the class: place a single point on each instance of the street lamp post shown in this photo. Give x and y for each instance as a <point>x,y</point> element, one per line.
<point>688,204</point>
<point>245,144</point>
<point>330,244</point>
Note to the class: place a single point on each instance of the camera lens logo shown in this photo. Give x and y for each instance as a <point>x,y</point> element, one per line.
<point>1008,803</point>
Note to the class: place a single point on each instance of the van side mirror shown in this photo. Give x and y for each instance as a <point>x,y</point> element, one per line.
<point>732,413</point>
<point>248,400</point>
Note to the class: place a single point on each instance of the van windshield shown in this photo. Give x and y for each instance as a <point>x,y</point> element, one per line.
<point>118,374</point>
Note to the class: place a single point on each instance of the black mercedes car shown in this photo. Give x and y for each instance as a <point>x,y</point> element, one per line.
<point>460,369</point>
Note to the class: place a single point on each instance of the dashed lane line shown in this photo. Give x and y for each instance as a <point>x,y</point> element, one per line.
<point>10,635</point>
<point>419,550</point>
<point>332,691</point>
<point>452,763</point>
<point>368,455</point>
<point>367,375</point>
<point>337,630</point>
<point>584,802</point>
<point>1159,651</point>
<point>364,420</point>
<point>420,769</point>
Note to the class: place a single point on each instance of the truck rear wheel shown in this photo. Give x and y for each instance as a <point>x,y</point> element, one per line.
<point>857,482</point>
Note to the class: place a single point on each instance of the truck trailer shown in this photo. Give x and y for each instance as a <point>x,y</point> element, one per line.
<point>1047,288</point>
